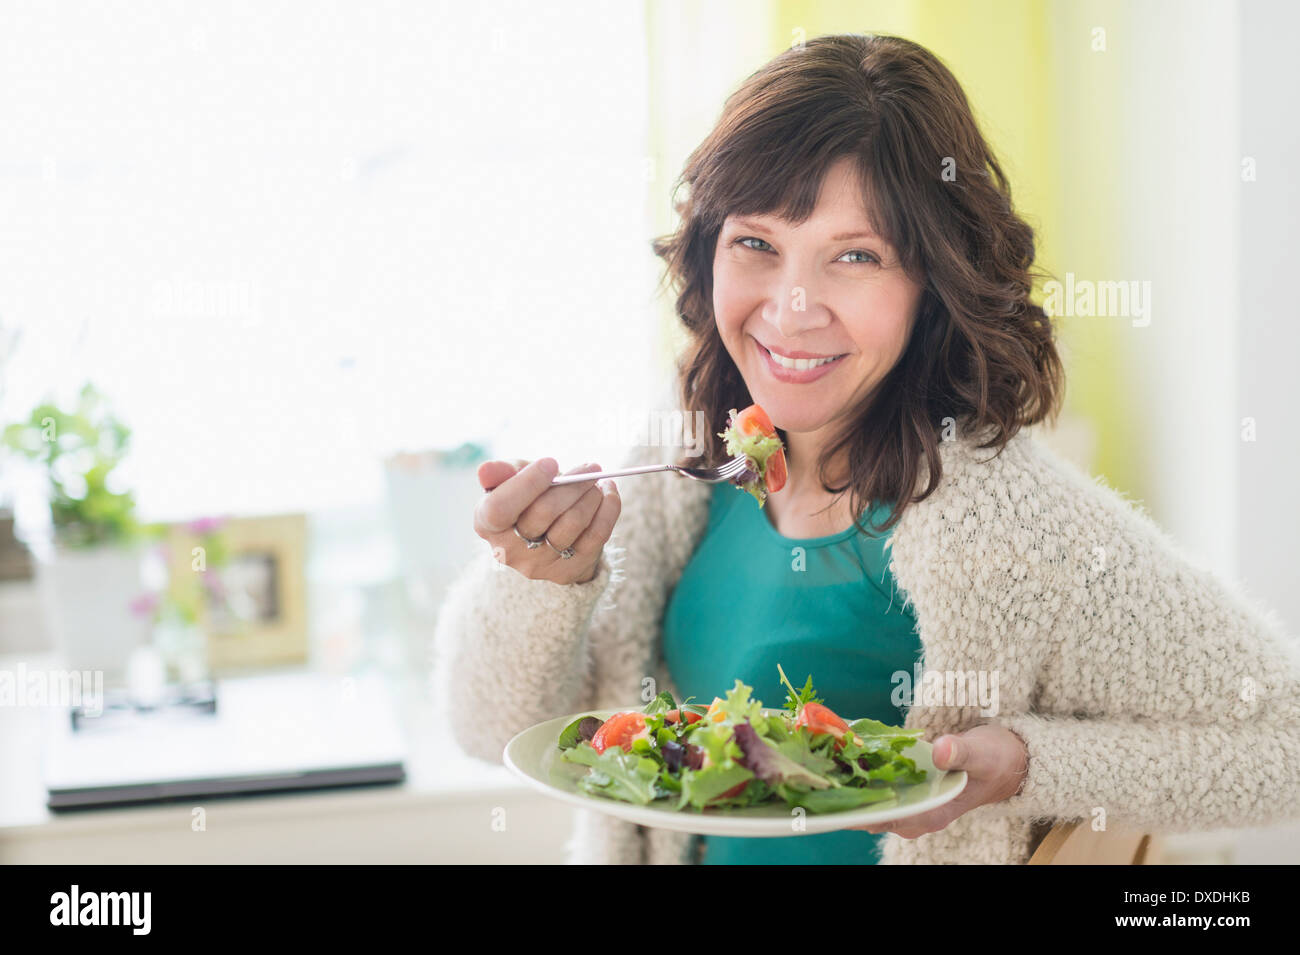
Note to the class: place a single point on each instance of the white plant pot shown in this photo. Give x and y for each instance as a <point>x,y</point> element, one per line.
<point>87,594</point>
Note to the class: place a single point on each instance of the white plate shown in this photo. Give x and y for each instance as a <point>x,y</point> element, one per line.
<point>535,758</point>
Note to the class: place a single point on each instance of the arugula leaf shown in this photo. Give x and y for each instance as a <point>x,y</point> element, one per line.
<point>660,704</point>
<point>616,774</point>
<point>794,699</point>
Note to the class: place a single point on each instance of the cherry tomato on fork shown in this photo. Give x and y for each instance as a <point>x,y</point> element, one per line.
<point>754,420</point>
<point>776,473</point>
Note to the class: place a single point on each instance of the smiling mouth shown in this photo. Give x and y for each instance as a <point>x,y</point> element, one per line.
<point>798,364</point>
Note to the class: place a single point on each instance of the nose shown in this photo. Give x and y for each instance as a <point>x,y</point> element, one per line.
<point>794,305</point>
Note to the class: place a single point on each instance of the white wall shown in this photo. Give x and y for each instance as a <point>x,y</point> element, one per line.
<point>1268,339</point>
<point>1182,118</point>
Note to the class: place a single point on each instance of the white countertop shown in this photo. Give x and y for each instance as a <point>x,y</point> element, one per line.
<point>437,771</point>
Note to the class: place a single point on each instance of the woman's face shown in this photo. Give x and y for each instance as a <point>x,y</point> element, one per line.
<point>826,289</point>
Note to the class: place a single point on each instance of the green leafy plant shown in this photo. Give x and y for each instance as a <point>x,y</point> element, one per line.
<point>79,449</point>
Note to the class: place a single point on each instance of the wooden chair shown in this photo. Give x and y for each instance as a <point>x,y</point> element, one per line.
<point>1076,843</point>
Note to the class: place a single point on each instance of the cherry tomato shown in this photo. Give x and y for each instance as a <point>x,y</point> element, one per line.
<point>754,420</point>
<point>733,791</point>
<point>776,473</point>
<point>821,719</point>
<point>675,716</point>
<point>619,730</point>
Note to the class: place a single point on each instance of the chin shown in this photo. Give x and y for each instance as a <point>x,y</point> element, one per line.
<point>788,414</point>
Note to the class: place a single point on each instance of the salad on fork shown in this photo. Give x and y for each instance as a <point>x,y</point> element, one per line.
<point>750,433</point>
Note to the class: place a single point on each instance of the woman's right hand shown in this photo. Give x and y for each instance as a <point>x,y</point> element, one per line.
<point>580,516</point>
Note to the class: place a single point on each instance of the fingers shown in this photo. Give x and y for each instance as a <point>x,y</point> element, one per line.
<point>985,751</point>
<point>565,529</point>
<point>499,510</point>
<point>948,754</point>
<point>601,526</point>
<point>491,474</point>
<point>579,517</point>
<point>994,758</point>
<point>542,513</point>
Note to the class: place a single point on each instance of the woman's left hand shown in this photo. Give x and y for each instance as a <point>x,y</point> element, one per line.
<point>995,761</point>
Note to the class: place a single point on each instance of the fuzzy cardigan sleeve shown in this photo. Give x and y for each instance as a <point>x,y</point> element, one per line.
<point>511,652</point>
<point>1167,700</point>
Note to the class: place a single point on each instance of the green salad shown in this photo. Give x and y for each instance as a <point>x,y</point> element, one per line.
<point>730,754</point>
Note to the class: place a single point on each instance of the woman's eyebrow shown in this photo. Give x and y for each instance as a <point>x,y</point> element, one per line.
<point>757,226</point>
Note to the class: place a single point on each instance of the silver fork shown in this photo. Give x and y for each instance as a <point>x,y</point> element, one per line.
<point>724,472</point>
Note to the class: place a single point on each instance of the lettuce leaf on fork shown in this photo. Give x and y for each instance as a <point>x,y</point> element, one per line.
<point>757,448</point>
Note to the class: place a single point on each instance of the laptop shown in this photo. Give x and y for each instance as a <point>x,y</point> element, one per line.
<point>268,733</point>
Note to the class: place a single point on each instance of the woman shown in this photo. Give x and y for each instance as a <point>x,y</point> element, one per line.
<point>848,258</point>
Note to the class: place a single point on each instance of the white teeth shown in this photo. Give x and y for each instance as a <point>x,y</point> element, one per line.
<point>799,364</point>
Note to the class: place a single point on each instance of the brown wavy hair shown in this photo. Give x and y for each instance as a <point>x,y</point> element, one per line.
<point>980,352</point>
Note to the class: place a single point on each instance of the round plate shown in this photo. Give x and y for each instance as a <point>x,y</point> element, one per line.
<point>534,757</point>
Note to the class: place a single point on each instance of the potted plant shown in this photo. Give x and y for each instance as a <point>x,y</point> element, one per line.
<point>88,583</point>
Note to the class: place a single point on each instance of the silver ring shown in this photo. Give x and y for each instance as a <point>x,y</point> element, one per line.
<point>565,554</point>
<point>528,540</point>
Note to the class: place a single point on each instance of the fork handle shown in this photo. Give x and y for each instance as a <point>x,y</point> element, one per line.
<point>598,475</point>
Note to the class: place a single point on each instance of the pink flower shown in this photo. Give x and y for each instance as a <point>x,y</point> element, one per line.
<point>206,525</point>
<point>145,605</point>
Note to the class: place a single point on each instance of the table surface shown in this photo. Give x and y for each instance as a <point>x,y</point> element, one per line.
<point>437,769</point>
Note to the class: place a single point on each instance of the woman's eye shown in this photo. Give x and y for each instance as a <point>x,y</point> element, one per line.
<point>762,246</point>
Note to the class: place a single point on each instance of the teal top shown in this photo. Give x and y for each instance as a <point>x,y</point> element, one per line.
<point>749,599</point>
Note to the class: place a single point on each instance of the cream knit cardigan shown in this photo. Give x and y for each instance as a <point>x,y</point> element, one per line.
<point>1149,693</point>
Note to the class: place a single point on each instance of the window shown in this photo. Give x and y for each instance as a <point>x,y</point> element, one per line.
<point>287,244</point>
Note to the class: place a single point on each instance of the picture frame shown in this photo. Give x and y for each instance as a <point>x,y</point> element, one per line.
<point>263,621</point>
